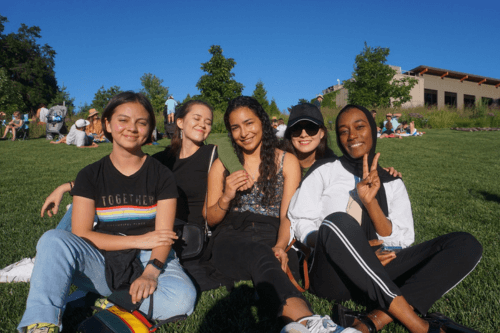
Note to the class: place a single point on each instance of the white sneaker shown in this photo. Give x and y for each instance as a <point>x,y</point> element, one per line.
<point>317,324</point>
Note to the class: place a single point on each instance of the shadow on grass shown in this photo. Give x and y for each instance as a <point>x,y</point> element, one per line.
<point>485,195</point>
<point>241,312</point>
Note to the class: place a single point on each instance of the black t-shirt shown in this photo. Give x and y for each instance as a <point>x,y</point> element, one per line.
<point>191,177</point>
<point>125,204</point>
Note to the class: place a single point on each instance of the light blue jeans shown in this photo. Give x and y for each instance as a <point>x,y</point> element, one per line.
<point>63,259</point>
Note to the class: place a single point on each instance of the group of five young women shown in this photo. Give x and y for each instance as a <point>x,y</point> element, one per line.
<point>340,207</point>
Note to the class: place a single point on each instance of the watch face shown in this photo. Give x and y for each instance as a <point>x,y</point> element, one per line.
<point>158,263</point>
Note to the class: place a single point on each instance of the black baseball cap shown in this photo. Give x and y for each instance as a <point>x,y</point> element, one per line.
<point>307,112</point>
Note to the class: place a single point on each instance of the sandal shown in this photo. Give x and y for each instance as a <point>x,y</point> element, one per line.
<point>449,325</point>
<point>434,327</point>
<point>344,316</point>
<point>365,320</point>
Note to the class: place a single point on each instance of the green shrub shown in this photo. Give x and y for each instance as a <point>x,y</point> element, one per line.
<point>444,118</point>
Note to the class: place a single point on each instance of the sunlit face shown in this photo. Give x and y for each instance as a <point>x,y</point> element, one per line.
<point>197,123</point>
<point>129,126</point>
<point>246,128</point>
<point>306,136</point>
<point>355,133</point>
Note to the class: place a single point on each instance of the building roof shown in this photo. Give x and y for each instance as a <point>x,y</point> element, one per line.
<point>456,75</point>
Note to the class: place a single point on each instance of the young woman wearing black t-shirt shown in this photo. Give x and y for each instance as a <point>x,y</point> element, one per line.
<point>133,195</point>
<point>188,158</point>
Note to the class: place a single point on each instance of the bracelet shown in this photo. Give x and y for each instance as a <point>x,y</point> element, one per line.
<point>71,186</point>
<point>218,204</point>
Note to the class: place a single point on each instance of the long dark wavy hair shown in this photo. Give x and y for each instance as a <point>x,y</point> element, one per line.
<point>268,167</point>
<point>180,113</point>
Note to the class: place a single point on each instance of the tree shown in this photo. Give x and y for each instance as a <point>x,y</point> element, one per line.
<point>373,84</point>
<point>303,101</point>
<point>154,91</point>
<point>260,94</point>
<point>83,110</point>
<point>102,97</point>
<point>187,99</point>
<point>28,65</point>
<point>63,96</point>
<point>218,87</point>
<point>11,99</point>
<point>273,108</point>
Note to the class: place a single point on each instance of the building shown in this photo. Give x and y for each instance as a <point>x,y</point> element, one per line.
<point>440,87</point>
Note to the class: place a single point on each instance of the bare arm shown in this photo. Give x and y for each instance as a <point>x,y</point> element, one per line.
<point>146,284</point>
<point>367,190</point>
<point>51,204</point>
<point>291,174</point>
<point>82,222</point>
<point>219,196</point>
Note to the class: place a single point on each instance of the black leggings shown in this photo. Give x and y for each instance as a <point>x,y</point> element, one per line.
<point>346,267</point>
<point>247,254</point>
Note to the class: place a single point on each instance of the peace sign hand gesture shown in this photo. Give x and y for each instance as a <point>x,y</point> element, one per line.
<point>369,186</point>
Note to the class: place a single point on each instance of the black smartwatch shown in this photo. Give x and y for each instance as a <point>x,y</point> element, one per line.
<point>156,264</point>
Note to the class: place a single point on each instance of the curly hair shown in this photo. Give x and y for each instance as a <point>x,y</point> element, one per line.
<point>268,167</point>
<point>180,113</point>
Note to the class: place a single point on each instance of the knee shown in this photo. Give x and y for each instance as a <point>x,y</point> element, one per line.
<point>176,298</point>
<point>336,224</point>
<point>52,239</point>
<point>469,246</point>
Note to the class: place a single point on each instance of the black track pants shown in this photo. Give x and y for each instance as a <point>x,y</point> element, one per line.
<point>346,267</point>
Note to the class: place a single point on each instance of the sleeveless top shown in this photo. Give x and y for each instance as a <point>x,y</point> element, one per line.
<point>252,200</point>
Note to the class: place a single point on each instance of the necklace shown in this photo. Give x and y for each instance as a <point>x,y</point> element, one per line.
<point>252,174</point>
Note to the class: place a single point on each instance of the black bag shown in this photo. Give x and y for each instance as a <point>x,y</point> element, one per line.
<point>192,237</point>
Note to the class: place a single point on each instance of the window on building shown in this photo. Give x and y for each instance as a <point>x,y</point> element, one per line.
<point>469,101</point>
<point>450,99</point>
<point>487,101</point>
<point>430,97</point>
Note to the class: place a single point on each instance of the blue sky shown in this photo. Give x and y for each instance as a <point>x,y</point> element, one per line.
<point>297,48</point>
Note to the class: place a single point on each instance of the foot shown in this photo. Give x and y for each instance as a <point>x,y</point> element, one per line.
<point>317,324</point>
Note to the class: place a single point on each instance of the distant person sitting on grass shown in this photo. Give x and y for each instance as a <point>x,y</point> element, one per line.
<point>77,136</point>
<point>409,130</point>
<point>280,129</point>
<point>14,125</point>
<point>94,128</point>
<point>388,132</point>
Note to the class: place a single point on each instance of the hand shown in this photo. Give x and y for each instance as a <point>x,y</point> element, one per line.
<point>51,204</point>
<point>156,238</point>
<point>237,181</point>
<point>282,257</point>
<point>369,186</point>
<point>142,287</point>
<point>385,257</point>
<point>393,172</point>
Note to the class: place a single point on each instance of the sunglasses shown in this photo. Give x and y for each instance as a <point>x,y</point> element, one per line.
<point>311,129</point>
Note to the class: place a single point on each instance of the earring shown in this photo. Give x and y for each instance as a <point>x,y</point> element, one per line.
<point>181,134</point>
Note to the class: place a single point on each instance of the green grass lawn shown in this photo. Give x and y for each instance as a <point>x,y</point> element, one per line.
<point>452,177</point>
